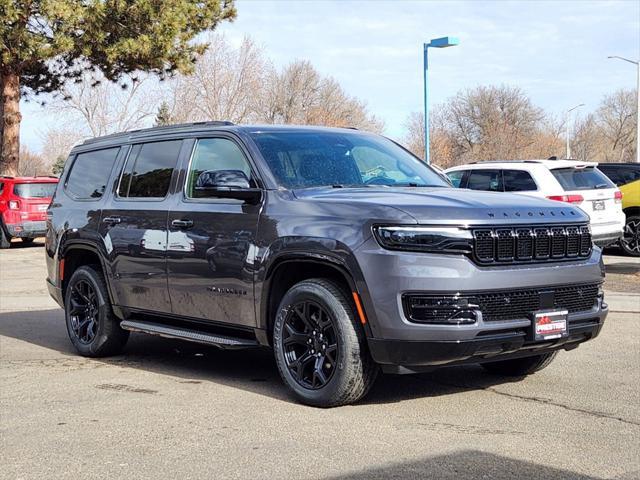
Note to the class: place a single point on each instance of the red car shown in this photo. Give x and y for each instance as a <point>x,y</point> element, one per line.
<point>23,207</point>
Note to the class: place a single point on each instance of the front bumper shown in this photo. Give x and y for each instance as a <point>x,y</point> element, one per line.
<point>27,229</point>
<point>406,356</point>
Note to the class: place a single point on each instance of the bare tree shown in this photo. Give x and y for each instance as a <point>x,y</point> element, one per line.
<point>32,164</point>
<point>100,107</point>
<point>227,84</point>
<point>616,119</point>
<point>299,94</point>
<point>58,141</point>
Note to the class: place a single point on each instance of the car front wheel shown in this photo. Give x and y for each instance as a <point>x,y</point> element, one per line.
<point>320,347</point>
<point>630,241</point>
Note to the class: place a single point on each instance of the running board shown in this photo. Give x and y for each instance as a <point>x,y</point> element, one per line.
<point>221,341</point>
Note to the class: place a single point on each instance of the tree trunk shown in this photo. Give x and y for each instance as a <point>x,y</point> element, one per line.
<point>9,123</point>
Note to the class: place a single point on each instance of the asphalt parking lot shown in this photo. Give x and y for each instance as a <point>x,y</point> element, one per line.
<point>167,409</point>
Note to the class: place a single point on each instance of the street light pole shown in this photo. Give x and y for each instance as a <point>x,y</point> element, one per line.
<point>568,129</point>
<point>434,43</point>
<point>637,64</point>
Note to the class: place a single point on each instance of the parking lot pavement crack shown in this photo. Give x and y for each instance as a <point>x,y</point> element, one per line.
<point>545,401</point>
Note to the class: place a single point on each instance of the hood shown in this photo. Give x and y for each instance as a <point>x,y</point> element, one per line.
<point>452,205</point>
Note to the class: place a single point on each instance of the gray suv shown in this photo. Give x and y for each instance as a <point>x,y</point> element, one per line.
<point>338,249</point>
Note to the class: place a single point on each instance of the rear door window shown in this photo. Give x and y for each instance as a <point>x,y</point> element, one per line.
<point>518,181</point>
<point>34,190</point>
<point>488,180</point>
<point>90,173</point>
<point>456,178</point>
<point>587,178</point>
<point>620,175</point>
<point>149,169</point>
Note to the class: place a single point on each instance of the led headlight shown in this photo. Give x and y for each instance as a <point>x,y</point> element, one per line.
<point>425,239</point>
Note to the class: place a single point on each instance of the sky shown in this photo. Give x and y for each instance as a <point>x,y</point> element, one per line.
<point>556,51</point>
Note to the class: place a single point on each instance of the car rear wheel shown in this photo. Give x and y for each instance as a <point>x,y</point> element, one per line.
<point>5,240</point>
<point>519,367</point>
<point>92,327</point>
<point>320,347</point>
<point>630,241</point>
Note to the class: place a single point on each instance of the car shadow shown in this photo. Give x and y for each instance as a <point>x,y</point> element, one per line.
<point>253,370</point>
<point>17,243</point>
<point>469,464</point>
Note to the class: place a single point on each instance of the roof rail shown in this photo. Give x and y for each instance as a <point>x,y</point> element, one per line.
<point>211,123</point>
<point>503,161</point>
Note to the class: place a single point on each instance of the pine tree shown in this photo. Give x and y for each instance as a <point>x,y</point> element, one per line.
<point>44,43</point>
<point>163,117</point>
<point>58,166</point>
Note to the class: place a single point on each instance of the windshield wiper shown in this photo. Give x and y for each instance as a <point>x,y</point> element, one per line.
<point>601,185</point>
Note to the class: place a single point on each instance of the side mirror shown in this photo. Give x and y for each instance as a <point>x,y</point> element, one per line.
<point>226,184</point>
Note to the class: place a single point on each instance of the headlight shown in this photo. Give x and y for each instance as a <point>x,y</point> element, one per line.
<point>425,239</point>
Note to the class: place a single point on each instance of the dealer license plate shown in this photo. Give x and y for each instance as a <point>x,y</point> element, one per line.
<point>598,205</point>
<point>550,325</point>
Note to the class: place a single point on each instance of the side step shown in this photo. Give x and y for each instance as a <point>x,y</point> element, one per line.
<point>221,341</point>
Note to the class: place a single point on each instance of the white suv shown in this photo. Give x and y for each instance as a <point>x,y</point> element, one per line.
<point>579,183</point>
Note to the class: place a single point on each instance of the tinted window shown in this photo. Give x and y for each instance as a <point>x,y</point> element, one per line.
<point>581,178</point>
<point>518,181</point>
<point>484,180</point>
<point>620,175</point>
<point>149,169</point>
<point>34,190</point>
<point>1,187</point>
<point>90,173</point>
<point>320,158</point>
<point>456,177</point>
<point>215,154</point>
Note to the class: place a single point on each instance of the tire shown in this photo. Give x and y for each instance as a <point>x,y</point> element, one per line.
<point>92,327</point>
<point>345,365</point>
<point>5,240</point>
<point>630,241</point>
<point>520,367</point>
<point>27,241</point>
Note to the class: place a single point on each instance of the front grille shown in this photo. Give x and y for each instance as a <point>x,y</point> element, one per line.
<point>531,244</point>
<point>499,305</point>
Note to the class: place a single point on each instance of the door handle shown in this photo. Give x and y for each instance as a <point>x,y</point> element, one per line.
<point>182,223</point>
<point>112,220</point>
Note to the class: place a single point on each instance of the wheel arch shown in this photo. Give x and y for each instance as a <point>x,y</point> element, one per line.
<point>77,254</point>
<point>634,210</point>
<point>289,269</point>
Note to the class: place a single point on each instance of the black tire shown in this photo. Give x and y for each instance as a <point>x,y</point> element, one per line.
<point>520,367</point>
<point>5,240</point>
<point>630,241</point>
<point>27,241</point>
<point>91,340</point>
<point>354,372</point>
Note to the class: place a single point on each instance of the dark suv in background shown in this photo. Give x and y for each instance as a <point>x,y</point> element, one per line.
<point>337,248</point>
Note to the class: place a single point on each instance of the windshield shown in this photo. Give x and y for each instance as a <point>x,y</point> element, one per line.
<point>34,190</point>
<point>315,159</point>
<point>581,178</point>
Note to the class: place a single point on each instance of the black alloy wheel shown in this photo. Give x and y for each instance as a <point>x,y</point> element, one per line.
<point>630,241</point>
<point>310,344</point>
<point>93,328</point>
<point>84,312</point>
<point>320,345</point>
